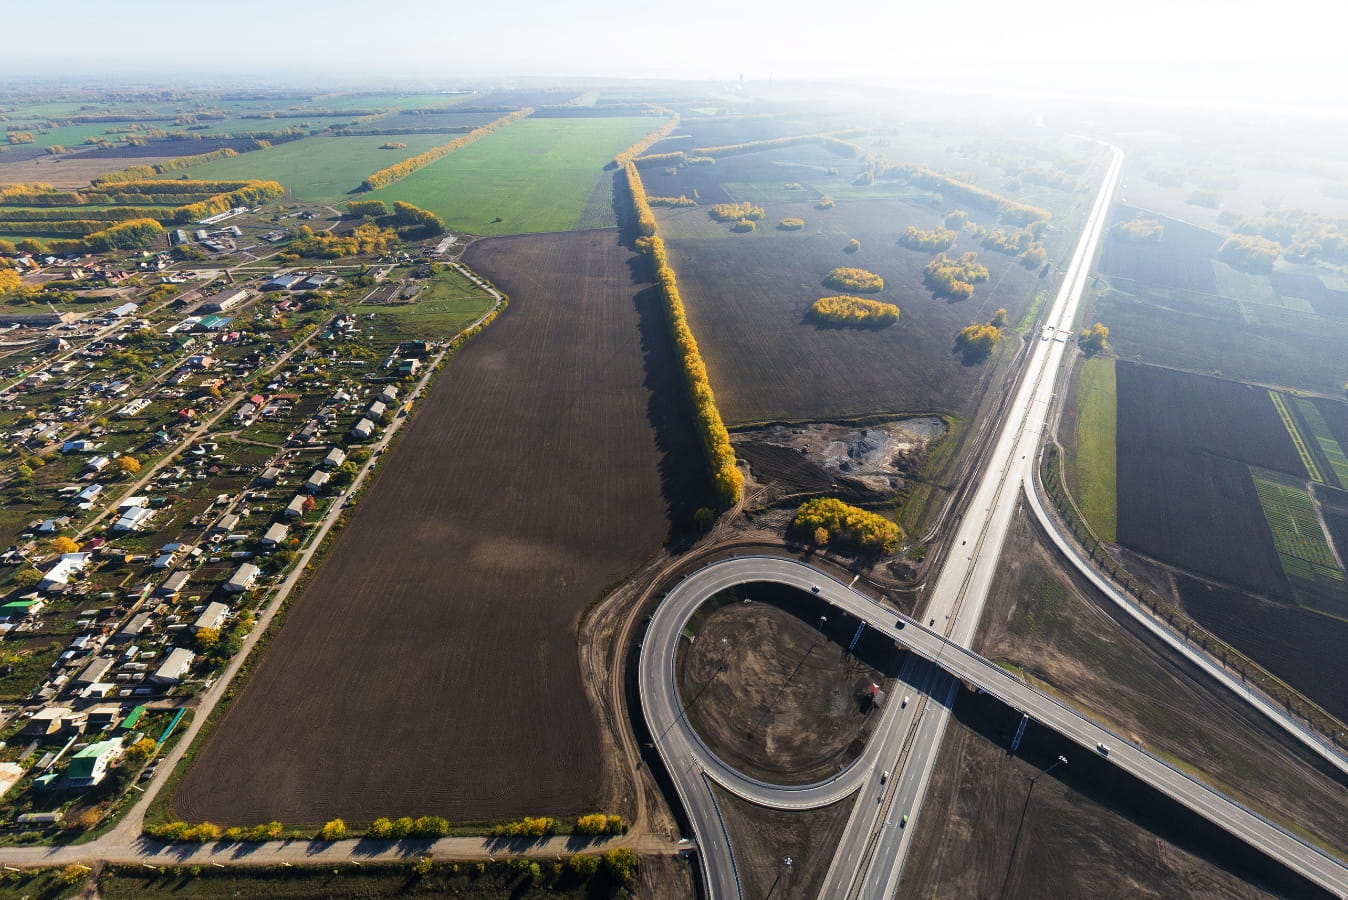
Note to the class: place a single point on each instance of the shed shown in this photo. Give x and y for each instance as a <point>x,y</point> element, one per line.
<point>377,409</point>
<point>336,456</point>
<point>269,475</point>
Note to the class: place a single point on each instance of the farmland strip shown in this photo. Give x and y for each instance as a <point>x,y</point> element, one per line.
<point>1338,461</point>
<point>397,171</point>
<point>1297,533</point>
<point>1302,450</point>
<point>715,438</point>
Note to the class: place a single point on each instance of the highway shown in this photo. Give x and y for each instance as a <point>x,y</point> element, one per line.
<point>955,604</point>
<point>692,771</point>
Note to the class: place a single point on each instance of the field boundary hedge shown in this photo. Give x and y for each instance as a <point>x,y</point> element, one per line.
<point>400,170</point>
<point>831,139</point>
<point>728,481</point>
<point>953,189</point>
<point>137,173</point>
<point>206,198</point>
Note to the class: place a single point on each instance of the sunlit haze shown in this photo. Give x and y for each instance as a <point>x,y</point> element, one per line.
<point>1288,54</point>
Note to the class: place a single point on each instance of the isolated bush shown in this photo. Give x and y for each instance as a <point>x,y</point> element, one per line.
<point>334,830</point>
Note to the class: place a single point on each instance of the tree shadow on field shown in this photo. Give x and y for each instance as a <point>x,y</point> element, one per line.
<point>685,477</point>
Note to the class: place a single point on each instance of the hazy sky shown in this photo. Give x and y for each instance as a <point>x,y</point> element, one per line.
<point>1290,50</point>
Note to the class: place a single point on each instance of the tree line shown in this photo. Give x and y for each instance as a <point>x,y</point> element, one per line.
<point>953,189</point>
<point>138,173</point>
<point>832,140</point>
<point>400,170</point>
<point>726,478</point>
<point>650,140</point>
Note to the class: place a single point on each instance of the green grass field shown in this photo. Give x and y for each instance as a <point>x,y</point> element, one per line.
<point>1092,468</point>
<point>447,305</point>
<point>532,175</point>
<point>319,169</point>
<point>1302,546</point>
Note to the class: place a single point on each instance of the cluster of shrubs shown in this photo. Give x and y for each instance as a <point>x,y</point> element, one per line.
<point>364,238</point>
<point>736,212</point>
<point>529,826</point>
<point>407,827</point>
<point>831,522</point>
<point>599,823</point>
<point>1022,243</point>
<point>744,225</point>
<point>1094,340</point>
<point>399,170</point>
<point>791,223</point>
<point>856,311</point>
<point>954,279</point>
<point>851,279</point>
<point>1139,231</point>
<point>937,239</point>
<point>1246,251</point>
<point>675,202</point>
<point>205,832</point>
<point>824,202</point>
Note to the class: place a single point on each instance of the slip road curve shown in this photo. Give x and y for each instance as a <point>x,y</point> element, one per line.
<point>692,768</point>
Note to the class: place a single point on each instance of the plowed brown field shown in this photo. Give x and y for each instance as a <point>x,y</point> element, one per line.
<point>430,668</point>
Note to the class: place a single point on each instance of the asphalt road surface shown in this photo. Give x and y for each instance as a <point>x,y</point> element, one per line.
<point>693,767</point>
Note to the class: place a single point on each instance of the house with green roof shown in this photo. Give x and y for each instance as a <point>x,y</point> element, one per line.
<point>90,766</point>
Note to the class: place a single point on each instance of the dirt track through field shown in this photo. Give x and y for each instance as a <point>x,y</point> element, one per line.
<point>430,668</point>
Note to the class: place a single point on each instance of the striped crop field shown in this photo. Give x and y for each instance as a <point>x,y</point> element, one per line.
<point>1297,533</point>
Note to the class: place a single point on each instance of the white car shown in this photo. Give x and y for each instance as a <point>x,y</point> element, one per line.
<point>905,702</point>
